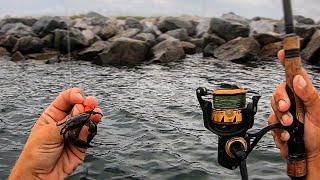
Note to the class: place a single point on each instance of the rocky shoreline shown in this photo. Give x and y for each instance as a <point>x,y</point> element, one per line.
<point>110,40</point>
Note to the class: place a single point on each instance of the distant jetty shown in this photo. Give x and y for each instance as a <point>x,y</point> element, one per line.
<point>133,40</point>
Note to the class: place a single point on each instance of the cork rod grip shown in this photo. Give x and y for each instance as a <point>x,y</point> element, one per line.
<point>296,157</point>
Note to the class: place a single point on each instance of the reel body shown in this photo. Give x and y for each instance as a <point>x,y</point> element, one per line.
<point>228,115</point>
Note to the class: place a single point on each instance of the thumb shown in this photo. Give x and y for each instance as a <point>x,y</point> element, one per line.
<point>306,91</point>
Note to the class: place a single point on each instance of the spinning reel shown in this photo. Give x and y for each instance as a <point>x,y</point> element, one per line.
<point>228,115</point>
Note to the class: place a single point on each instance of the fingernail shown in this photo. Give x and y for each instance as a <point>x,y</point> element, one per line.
<point>283,135</point>
<point>281,104</point>
<point>302,82</point>
<point>79,95</point>
<point>284,119</point>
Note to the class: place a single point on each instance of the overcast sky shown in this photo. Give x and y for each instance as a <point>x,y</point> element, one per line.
<point>245,8</point>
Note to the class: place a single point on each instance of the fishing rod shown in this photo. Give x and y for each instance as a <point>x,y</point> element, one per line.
<point>227,113</point>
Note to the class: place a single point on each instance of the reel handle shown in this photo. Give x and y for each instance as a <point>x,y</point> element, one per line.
<point>296,156</point>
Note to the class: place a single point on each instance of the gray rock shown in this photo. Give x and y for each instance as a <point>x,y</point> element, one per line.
<point>123,51</point>
<point>48,41</point>
<point>163,37</point>
<point>168,50</point>
<point>228,30</point>
<point>8,41</point>
<point>210,42</point>
<point>28,21</point>
<point>133,23</point>
<point>305,32</point>
<point>28,44</point>
<point>17,30</point>
<point>105,31</point>
<point>91,52</point>
<point>180,34</point>
<point>146,37</point>
<point>238,50</point>
<point>231,16</point>
<point>130,33</point>
<point>312,51</point>
<point>202,27</point>
<point>46,25</point>
<point>149,27</point>
<point>172,23</point>
<point>17,56</point>
<point>304,20</point>
<point>76,40</point>
<point>93,19</point>
<point>3,51</point>
<point>265,39</point>
<point>263,26</point>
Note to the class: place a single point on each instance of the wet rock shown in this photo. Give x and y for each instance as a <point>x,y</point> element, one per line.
<point>91,52</point>
<point>270,50</point>
<point>312,52</point>
<point>146,37</point>
<point>211,42</point>
<point>172,23</point>
<point>17,29</point>
<point>8,41</point>
<point>133,23</point>
<point>263,26</point>
<point>231,16</point>
<point>3,51</point>
<point>28,21</point>
<point>228,30</point>
<point>167,51</point>
<point>305,32</point>
<point>48,24</point>
<point>43,56</point>
<point>304,20</point>
<point>130,33</point>
<point>264,39</point>
<point>28,44</point>
<point>188,47</point>
<point>123,51</point>
<point>17,56</point>
<point>180,34</point>
<point>238,50</point>
<point>93,19</point>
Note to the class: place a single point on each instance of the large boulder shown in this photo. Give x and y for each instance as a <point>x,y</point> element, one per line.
<point>304,20</point>
<point>270,51</point>
<point>167,51</point>
<point>181,34</point>
<point>123,51</point>
<point>202,27</point>
<point>231,16</point>
<point>105,31</point>
<point>28,44</point>
<point>312,52</point>
<point>238,50</point>
<point>228,30</point>
<point>17,29</point>
<point>47,24</point>
<point>130,33</point>
<point>172,23</point>
<point>91,52</point>
<point>265,39</point>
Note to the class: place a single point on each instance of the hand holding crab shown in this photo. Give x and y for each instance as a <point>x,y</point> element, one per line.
<point>54,152</point>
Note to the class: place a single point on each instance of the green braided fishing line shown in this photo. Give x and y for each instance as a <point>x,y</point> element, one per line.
<point>237,101</point>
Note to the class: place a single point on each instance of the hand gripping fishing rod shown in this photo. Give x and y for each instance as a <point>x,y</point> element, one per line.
<point>291,44</point>
<point>227,114</point>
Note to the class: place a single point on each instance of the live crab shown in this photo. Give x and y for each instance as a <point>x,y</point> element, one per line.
<point>73,126</point>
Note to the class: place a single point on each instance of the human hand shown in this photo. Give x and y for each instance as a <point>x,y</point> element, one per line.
<point>306,91</point>
<point>46,155</point>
